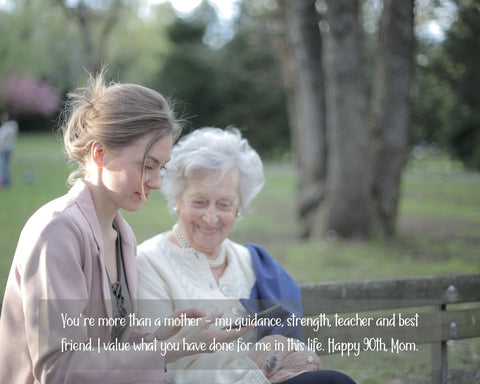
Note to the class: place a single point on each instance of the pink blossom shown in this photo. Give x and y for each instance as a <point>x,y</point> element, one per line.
<point>26,95</point>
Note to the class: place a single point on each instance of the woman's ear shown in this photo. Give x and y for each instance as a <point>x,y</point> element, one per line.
<point>98,154</point>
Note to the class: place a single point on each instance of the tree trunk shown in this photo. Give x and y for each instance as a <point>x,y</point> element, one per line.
<point>348,208</point>
<point>303,74</point>
<point>94,44</point>
<point>391,109</point>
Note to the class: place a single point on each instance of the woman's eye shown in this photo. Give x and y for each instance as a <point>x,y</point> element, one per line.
<point>224,206</point>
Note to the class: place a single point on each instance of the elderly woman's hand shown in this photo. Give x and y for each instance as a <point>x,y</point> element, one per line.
<point>272,353</point>
<point>295,364</point>
<point>279,363</point>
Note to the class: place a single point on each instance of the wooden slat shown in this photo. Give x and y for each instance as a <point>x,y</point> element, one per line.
<point>387,294</point>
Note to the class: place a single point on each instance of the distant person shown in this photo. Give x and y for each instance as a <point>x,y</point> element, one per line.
<point>212,177</point>
<point>76,256</point>
<point>8,136</point>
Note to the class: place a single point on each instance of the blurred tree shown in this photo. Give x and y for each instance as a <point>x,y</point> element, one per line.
<point>364,157</point>
<point>39,41</point>
<point>30,43</point>
<point>446,104</point>
<point>251,81</point>
<point>431,96</point>
<point>390,112</point>
<point>301,52</point>
<point>30,95</point>
<point>233,84</point>
<point>32,101</point>
<point>96,21</point>
<point>458,68</point>
<point>348,201</point>
<point>139,45</point>
<point>189,73</point>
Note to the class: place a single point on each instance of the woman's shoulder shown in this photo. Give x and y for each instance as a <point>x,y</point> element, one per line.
<point>238,249</point>
<point>241,253</point>
<point>68,218</point>
<point>55,214</point>
<point>59,225</point>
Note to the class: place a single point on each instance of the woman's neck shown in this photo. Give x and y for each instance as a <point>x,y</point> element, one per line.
<point>104,208</point>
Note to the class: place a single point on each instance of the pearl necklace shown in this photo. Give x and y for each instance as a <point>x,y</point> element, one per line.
<point>213,263</point>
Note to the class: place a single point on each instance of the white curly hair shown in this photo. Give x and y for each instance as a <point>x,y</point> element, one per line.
<point>213,149</point>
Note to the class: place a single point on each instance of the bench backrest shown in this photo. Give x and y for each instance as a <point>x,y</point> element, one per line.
<point>423,303</point>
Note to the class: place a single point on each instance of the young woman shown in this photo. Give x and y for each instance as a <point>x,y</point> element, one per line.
<point>72,286</point>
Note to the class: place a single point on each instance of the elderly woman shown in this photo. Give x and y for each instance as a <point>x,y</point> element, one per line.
<point>211,178</point>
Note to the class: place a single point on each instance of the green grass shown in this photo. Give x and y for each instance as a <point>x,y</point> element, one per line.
<point>438,232</point>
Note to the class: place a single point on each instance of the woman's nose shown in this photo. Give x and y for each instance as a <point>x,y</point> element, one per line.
<point>211,216</point>
<point>154,181</point>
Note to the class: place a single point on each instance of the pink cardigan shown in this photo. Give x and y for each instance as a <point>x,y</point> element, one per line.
<point>58,268</point>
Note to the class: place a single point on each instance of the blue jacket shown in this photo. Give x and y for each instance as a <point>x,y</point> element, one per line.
<point>274,286</point>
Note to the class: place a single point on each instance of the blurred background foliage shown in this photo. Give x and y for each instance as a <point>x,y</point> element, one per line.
<point>216,77</point>
<point>446,104</point>
<point>226,72</point>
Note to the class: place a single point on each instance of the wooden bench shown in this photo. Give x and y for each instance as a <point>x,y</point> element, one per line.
<point>443,304</point>
<point>426,296</point>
